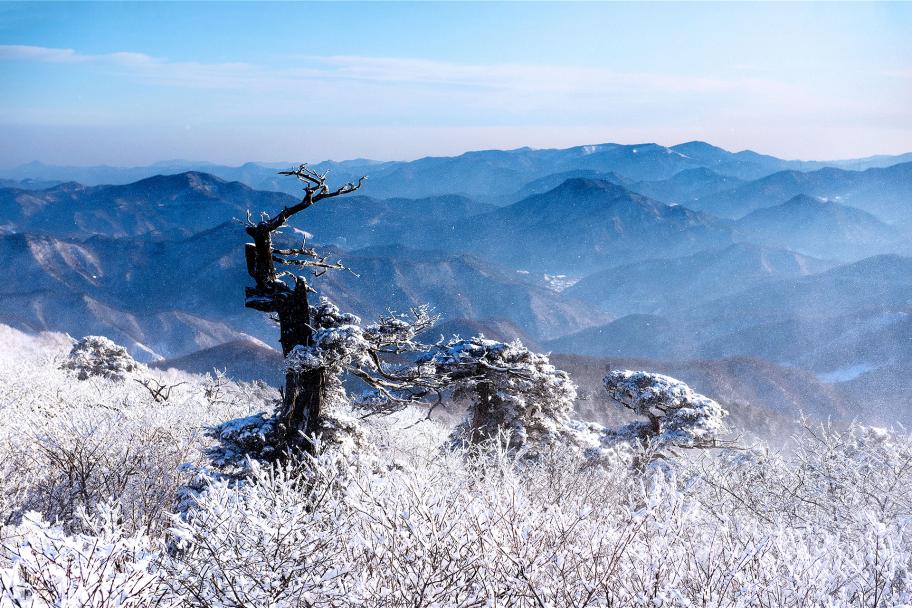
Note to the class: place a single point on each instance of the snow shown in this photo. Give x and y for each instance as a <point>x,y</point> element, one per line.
<point>395,520</point>
<point>559,282</point>
<point>677,415</point>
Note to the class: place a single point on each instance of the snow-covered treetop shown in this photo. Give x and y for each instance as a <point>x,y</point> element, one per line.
<point>513,389</point>
<point>677,415</point>
<point>99,356</point>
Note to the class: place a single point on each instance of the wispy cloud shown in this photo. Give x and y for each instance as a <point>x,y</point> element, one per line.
<point>53,55</point>
<point>388,70</point>
<point>510,102</point>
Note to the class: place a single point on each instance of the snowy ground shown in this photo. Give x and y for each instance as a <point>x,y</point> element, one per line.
<point>92,471</point>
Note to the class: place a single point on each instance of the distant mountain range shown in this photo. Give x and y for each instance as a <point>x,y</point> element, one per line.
<point>584,225</point>
<point>883,192</point>
<point>841,323</point>
<point>487,174</point>
<point>146,293</point>
<point>164,206</point>
<point>661,286</point>
<point>751,275</point>
<point>822,228</point>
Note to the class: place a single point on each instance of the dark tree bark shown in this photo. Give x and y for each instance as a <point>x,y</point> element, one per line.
<point>487,413</point>
<point>304,392</point>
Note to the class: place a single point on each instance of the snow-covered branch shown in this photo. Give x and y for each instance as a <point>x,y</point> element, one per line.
<point>676,415</point>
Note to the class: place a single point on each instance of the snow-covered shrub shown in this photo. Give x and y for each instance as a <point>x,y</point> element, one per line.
<point>676,415</point>
<point>105,567</point>
<point>68,446</point>
<point>100,357</point>
<point>277,540</point>
<point>511,388</point>
<point>826,523</point>
<point>338,345</point>
<point>338,341</point>
<point>254,439</point>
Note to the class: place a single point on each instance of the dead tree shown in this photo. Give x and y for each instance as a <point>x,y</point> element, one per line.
<point>284,295</point>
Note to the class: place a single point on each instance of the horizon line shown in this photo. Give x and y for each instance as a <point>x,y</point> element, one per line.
<point>471,151</point>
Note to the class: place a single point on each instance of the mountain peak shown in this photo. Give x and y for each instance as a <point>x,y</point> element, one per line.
<point>193,180</point>
<point>67,187</point>
<point>806,201</point>
<point>588,184</point>
<point>698,147</point>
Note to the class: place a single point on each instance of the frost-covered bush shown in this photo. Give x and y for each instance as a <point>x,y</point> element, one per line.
<point>277,540</point>
<point>103,567</point>
<point>68,446</point>
<point>258,439</point>
<point>340,347</point>
<point>97,356</point>
<point>676,415</point>
<point>826,523</point>
<point>338,342</point>
<point>431,529</point>
<point>512,390</point>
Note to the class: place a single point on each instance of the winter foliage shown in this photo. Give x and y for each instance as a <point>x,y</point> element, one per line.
<point>95,508</point>
<point>99,356</point>
<point>514,393</point>
<point>675,414</point>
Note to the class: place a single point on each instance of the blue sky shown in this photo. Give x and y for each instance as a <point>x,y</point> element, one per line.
<point>87,83</point>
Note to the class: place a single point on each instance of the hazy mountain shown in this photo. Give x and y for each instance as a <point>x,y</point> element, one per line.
<point>876,285</point>
<point>28,184</point>
<point>146,293</point>
<point>851,315</point>
<point>485,174</point>
<point>637,335</point>
<point>883,192</point>
<point>552,181</point>
<point>147,335</point>
<point>246,359</point>
<point>840,323</point>
<point>839,348</point>
<point>882,394</point>
<point>490,173</point>
<point>260,176</point>
<point>162,206</point>
<point>585,225</point>
<point>682,187</point>
<point>457,287</point>
<point>354,222</point>
<point>176,206</point>
<point>664,286</point>
<point>820,228</point>
<point>686,186</point>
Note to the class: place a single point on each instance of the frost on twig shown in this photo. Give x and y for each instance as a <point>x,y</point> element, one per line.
<point>676,415</point>
<point>97,356</point>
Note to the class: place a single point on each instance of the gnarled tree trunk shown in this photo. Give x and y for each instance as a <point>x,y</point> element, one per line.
<point>303,394</point>
<point>304,390</point>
